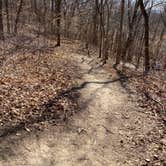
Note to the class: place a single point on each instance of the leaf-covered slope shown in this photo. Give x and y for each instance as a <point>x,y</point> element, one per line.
<point>29,85</point>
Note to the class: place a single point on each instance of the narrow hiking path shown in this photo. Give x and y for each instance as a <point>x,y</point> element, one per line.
<point>108,131</point>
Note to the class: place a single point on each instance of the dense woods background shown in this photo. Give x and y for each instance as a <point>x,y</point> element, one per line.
<point>123,30</point>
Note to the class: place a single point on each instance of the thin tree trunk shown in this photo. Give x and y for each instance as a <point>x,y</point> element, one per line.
<point>95,22</point>
<point>7,15</point>
<point>52,15</point>
<point>159,43</point>
<point>1,22</point>
<point>130,35</point>
<point>58,11</point>
<point>119,49</point>
<point>18,16</point>
<point>146,36</point>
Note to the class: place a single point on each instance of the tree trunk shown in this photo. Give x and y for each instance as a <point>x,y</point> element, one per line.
<point>146,36</point>
<point>1,22</point>
<point>58,14</point>
<point>52,16</point>
<point>7,15</point>
<point>95,22</point>
<point>119,49</point>
<point>130,34</point>
<point>18,16</point>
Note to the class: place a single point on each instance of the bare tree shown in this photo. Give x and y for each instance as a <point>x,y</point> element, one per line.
<point>130,37</point>
<point>1,22</point>
<point>119,49</point>
<point>146,36</point>
<point>18,16</point>
<point>7,15</point>
<point>58,21</point>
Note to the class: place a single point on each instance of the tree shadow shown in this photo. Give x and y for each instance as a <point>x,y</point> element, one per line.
<point>124,80</point>
<point>46,109</point>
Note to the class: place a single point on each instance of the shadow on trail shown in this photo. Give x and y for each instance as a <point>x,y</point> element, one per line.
<point>45,109</point>
<point>123,80</point>
<point>95,68</point>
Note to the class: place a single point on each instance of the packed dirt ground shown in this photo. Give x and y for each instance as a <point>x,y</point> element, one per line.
<point>89,118</point>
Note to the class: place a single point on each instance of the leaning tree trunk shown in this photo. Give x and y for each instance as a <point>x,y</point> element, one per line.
<point>146,36</point>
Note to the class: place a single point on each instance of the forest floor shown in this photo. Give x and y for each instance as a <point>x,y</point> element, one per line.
<point>109,128</point>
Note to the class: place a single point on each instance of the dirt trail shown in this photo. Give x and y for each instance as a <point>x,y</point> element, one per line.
<point>106,132</point>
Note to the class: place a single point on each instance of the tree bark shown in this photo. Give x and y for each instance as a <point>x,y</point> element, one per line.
<point>130,34</point>
<point>119,49</point>
<point>18,16</point>
<point>146,36</point>
<point>7,15</point>
<point>1,22</point>
<point>58,22</point>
